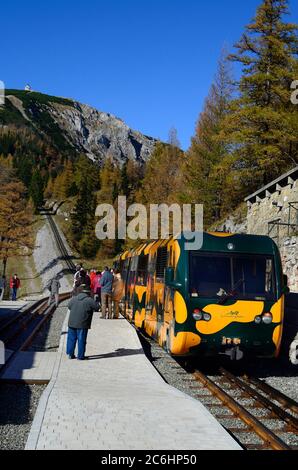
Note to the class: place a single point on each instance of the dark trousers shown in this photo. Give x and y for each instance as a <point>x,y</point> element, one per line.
<point>106,300</point>
<point>14,293</point>
<point>76,335</point>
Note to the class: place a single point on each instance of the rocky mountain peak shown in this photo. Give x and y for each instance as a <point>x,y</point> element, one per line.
<point>81,127</point>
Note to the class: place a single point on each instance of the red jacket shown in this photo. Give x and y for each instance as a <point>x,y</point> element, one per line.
<point>92,279</point>
<point>14,282</point>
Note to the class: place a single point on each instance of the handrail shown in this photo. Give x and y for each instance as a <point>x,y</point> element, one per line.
<point>277,222</point>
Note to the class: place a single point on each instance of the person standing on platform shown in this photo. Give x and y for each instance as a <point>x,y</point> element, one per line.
<point>54,290</point>
<point>106,293</point>
<point>82,278</point>
<point>2,286</point>
<point>81,309</point>
<point>97,286</point>
<point>14,285</point>
<point>92,276</point>
<point>117,292</point>
<point>76,277</point>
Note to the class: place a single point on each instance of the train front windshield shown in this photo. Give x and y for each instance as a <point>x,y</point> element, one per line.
<point>220,276</point>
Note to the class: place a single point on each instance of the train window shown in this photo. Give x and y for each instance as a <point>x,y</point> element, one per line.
<point>218,275</point>
<point>132,270</point>
<point>161,262</point>
<point>142,270</point>
<point>124,269</point>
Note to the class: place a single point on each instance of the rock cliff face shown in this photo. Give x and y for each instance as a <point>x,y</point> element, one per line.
<point>100,134</point>
<point>75,126</point>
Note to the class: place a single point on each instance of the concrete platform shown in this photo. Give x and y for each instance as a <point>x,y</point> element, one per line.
<point>30,367</point>
<point>116,400</point>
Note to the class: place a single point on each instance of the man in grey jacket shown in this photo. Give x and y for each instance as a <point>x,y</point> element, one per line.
<point>54,287</point>
<point>81,309</point>
<point>106,283</point>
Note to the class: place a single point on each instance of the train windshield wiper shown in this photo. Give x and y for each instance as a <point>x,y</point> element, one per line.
<point>227,295</point>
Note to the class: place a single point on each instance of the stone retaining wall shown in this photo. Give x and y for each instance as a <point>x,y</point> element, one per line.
<point>289,256</point>
<point>273,206</point>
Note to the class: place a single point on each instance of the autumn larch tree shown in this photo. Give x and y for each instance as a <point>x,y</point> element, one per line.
<point>16,218</point>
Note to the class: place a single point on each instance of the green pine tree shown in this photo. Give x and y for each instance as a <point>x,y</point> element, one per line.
<point>262,127</point>
<point>36,189</point>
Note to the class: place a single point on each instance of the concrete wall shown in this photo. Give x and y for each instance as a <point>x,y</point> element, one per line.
<point>266,208</point>
<point>276,206</point>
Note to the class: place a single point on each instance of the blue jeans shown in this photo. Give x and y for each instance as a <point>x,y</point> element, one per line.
<point>76,335</point>
<point>14,293</point>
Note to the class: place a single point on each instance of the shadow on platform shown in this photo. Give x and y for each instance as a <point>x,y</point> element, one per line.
<point>118,353</point>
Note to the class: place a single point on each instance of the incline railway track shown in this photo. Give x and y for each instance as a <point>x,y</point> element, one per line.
<point>250,410</point>
<point>66,257</point>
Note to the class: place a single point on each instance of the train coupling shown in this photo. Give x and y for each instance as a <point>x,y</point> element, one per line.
<point>234,352</point>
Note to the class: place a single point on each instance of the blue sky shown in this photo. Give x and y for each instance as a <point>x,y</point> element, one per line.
<point>149,62</point>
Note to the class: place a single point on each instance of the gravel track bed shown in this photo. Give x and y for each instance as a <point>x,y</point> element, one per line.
<point>279,374</point>
<point>19,402</point>
<point>18,406</point>
<point>288,437</point>
<point>49,336</point>
<point>248,438</point>
<point>168,368</point>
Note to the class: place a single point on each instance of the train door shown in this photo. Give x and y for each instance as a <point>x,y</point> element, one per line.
<point>140,290</point>
<point>130,286</point>
<point>169,294</point>
<point>156,276</point>
<point>124,274</point>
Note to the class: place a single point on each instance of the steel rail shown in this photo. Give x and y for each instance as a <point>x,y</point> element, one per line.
<point>288,402</point>
<point>279,412</point>
<point>45,314</point>
<point>21,314</point>
<point>270,439</point>
<point>60,243</point>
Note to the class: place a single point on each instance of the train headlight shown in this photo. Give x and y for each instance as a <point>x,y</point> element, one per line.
<point>258,319</point>
<point>207,316</point>
<point>267,318</point>
<point>197,314</point>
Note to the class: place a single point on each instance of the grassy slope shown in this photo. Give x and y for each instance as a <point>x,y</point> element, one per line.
<point>28,96</point>
<point>25,268</point>
<point>36,107</point>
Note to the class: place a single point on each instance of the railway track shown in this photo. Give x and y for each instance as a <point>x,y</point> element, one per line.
<point>19,332</point>
<point>258,416</point>
<point>250,410</point>
<point>66,257</point>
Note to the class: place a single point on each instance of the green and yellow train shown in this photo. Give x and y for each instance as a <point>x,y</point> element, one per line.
<point>225,298</point>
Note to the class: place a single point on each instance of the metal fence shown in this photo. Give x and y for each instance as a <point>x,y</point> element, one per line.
<point>274,226</point>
